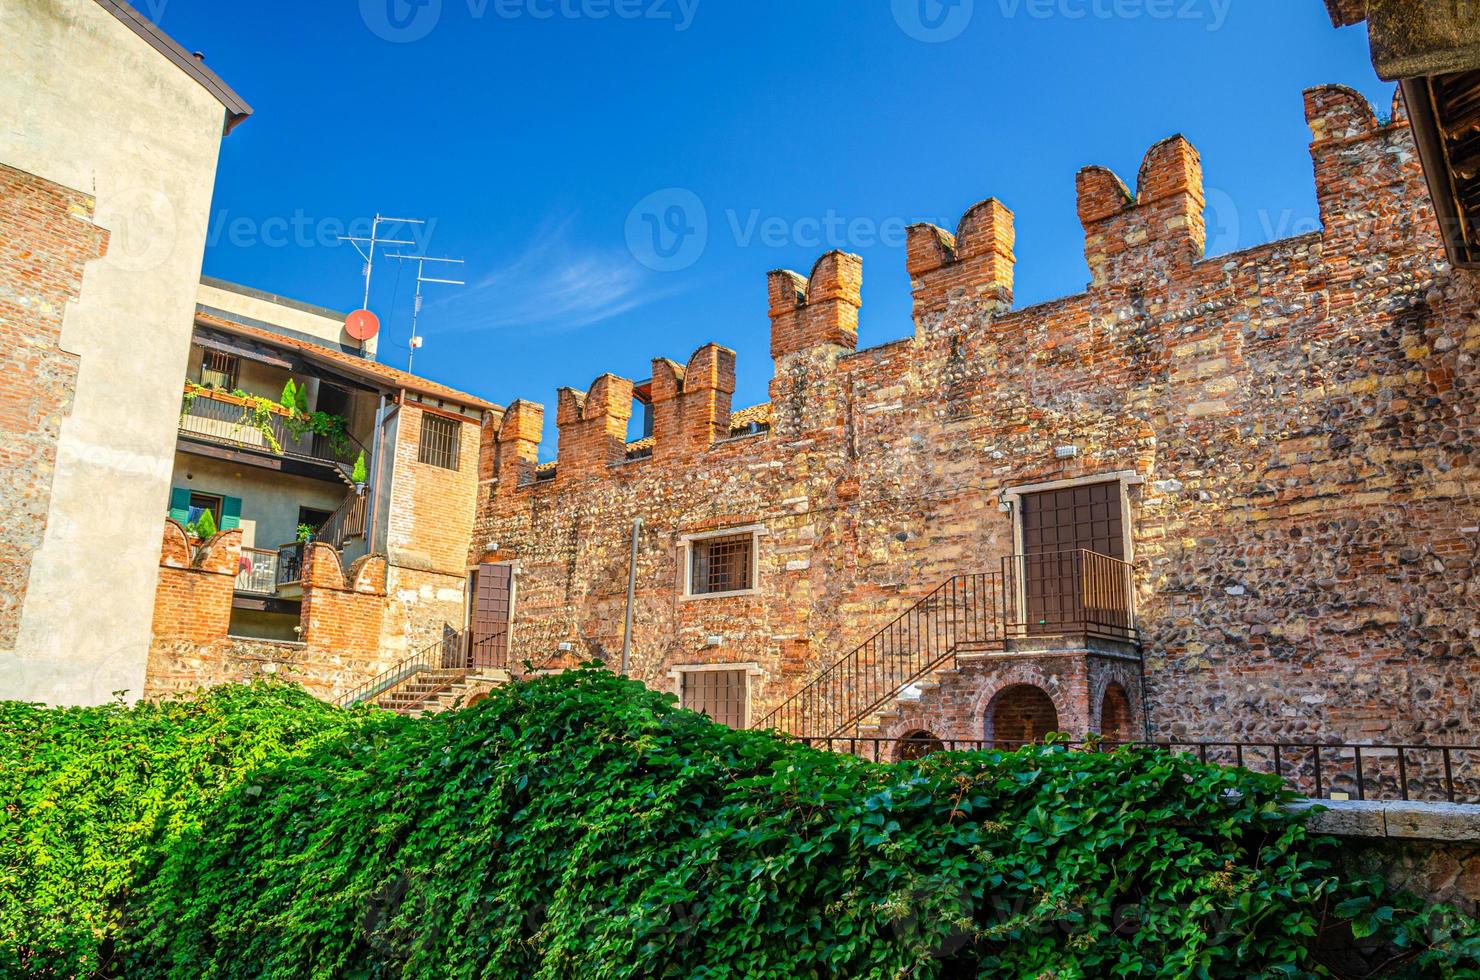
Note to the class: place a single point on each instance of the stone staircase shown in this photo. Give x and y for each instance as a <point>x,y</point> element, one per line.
<point>434,691</point>
<point>877,724</point>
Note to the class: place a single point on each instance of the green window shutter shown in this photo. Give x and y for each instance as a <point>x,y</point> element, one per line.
<point>231,513</point>
<point>180,504</point>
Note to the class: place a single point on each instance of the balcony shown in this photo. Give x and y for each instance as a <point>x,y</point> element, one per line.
<point>259,572</point>
<point>214,416</point>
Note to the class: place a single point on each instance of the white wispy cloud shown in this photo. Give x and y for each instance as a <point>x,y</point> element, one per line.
<point>554,286</point>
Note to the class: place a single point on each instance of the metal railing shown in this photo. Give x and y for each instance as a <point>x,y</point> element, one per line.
<point>1067,593</point>
<point>347,521</point>
<point>290,563</point>
<point>221,417</point>
<point>441,655</point>
<point>456,651</point>
<point>1412,773</point>
<point>259,572</point>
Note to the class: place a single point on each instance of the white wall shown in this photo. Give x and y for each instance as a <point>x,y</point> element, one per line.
<point>86,103</point>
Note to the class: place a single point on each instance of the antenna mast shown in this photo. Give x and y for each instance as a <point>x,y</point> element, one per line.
<point>421,277</point>
<point>366,246</point>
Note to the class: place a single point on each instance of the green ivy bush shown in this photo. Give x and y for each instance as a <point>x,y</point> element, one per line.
<point>86,794</point>
<point>581,826</point>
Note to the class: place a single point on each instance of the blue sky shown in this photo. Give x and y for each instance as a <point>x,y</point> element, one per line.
<point>548,140</point>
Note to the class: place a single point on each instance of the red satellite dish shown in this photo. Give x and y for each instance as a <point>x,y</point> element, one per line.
<point>362,325</point>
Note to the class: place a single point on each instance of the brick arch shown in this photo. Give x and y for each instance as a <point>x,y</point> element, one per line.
<point>1020,713</point>
<point>916,744</point>
<point>1130,689</point>
<point>1018,676</point>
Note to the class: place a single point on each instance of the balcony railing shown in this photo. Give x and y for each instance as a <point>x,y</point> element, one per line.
<point>290,563</point>
<point>259,572</point>
<point>220,417</point>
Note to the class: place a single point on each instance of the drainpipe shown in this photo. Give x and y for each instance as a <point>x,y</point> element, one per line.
<point>371,504</point>
<point>631,595</point>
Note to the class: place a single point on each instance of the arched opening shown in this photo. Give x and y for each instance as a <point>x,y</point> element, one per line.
<point>1020,715</point>
<point>1115,716</point>
<point>917,745</point>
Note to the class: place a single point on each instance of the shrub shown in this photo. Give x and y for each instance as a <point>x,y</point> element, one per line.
<point>85,793</point>
<point>289,398</point>
<point>581,826</point>
<point>205,526</point>
<point>358,475</point>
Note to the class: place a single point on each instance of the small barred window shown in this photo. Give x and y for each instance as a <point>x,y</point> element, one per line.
<point>722,564</point>
<point>439,441</point>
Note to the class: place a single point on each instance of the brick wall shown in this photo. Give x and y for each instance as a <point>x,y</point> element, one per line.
<point>46,239</point>
<point>341,616</point>
<point>1294,424</point>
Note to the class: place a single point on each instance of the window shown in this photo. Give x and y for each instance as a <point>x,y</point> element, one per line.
<point>722,564</point>
<point>439,440</point>
<point>202,502</point>
<point>722,694</point>
<point>218,370</point>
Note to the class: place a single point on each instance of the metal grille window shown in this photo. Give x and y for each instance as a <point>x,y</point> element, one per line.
<point>219,370</point>
<point>721,564</point>
<point>439,441</point>
<point>723,695</point>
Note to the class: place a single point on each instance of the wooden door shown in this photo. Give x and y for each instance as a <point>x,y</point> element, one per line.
<point>1057,526</point>
<point>492,600</point>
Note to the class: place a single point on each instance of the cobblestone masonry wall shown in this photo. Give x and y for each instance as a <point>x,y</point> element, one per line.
<point>1295,422</point>
<point>46,239</point>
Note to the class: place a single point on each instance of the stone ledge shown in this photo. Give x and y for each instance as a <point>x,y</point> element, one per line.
<point>1443,822</point>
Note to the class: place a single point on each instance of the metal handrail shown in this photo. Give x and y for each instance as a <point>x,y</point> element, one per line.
<point>1306,767</point>
<point>1070,592</point>
<point>433,657</point>
<point>261,577</point>
<point>347,521</point>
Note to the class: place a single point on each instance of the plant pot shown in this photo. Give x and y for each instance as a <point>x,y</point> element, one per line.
<point>360,489</point>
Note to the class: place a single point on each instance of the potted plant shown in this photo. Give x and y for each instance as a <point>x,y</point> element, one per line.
<point>306,533</point>
<point>358,475</point>
<point>205,526</point>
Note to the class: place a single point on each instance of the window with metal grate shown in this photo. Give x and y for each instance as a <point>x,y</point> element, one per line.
<point>721,564</point>
<point>439,441</point>
<point>219,370</point>
<point>723,695</point>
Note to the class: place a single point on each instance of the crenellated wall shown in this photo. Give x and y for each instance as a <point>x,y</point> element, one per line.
<point>1294,427</point>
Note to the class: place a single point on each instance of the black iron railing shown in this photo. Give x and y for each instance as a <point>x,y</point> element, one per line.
<point>455,656</point>
<point>1068,593</point>
<point>445,654</point>
<point>290,563</point>
<point>1415,773</point>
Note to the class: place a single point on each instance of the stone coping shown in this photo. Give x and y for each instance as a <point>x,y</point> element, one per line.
<point>1446,822</point>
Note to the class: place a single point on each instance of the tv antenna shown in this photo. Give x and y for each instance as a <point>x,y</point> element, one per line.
<point>421,277</point>
<point>366,246</point>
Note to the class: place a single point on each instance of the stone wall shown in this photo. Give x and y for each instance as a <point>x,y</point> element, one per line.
<point>1293,426</point>
<point>47,237</point>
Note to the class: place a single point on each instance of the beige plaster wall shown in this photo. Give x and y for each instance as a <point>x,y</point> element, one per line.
<point>88,104</point>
